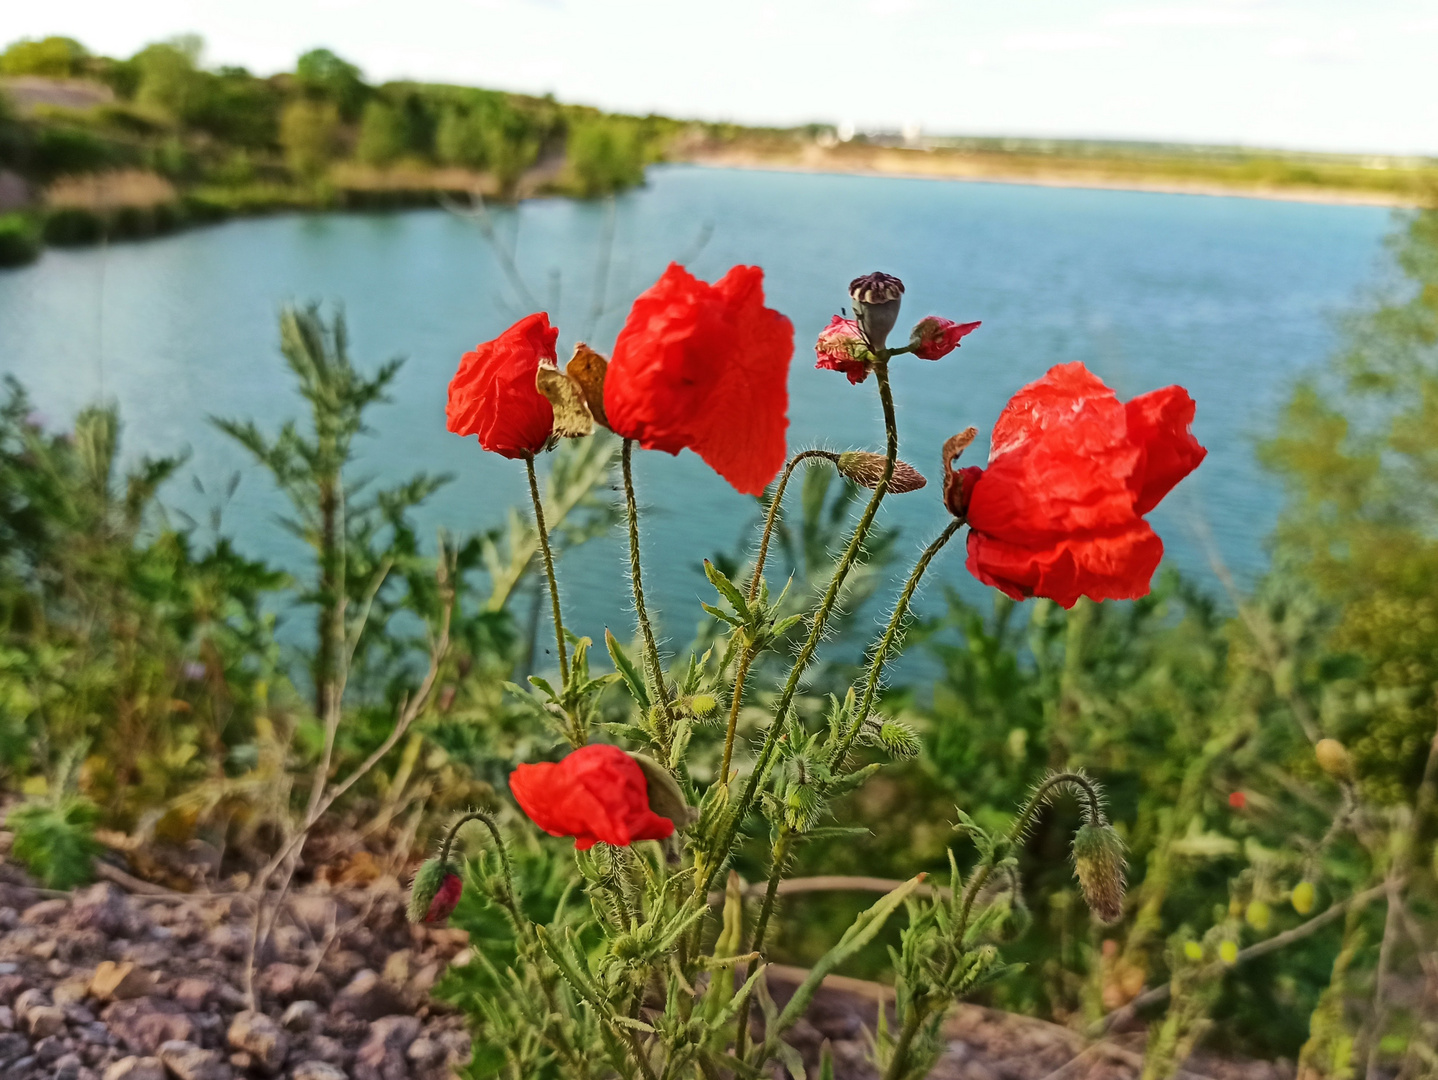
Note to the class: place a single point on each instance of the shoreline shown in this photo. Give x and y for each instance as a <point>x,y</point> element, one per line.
<point>984,173</point>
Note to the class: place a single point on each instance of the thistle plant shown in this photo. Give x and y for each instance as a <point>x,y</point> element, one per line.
<point>631,971</point>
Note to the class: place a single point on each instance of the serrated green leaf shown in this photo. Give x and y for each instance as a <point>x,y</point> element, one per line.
<point>626,669</point>
<point>726,588</point>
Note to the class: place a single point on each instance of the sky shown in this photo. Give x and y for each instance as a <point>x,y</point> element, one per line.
<point>1360,75</point>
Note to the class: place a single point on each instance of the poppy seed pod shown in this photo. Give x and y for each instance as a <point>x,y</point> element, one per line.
<point>867,469</point>
<point>876,298</point>
<point>1099,866</point>
<point>434,893</point>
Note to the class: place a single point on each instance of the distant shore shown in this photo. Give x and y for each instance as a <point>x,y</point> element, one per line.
<point>1337,182</point>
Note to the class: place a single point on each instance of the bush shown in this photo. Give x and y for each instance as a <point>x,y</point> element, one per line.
<point>309,131</point>
<point>53,57</point>
<point>19,240</point>
<point>73,226</point>
<point>605,156</point>
<point>56,841</point>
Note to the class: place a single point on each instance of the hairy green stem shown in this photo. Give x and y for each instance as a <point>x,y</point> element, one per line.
<point>548,571</point>
<point>755,581</point>
<point>778,857</point>
<point>651,650</point>
<point>891,635</point>
<point>816,631</point>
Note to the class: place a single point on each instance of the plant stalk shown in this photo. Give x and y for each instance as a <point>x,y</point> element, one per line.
<point>548,572</point>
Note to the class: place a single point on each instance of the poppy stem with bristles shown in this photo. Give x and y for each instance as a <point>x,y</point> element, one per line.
<point>548,571</point>
<point>651,650</point>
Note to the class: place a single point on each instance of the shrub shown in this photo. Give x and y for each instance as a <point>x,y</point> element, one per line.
<point>56,841</point>
<point>19,240</point>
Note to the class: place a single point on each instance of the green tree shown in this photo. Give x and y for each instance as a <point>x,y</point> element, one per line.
<point>309,133</point>
<point>55,57</point>
<point>384,134</point>
<point>459,138</point>
<point>169,79</point>
<point>322,74</point>
<point>605,156</point>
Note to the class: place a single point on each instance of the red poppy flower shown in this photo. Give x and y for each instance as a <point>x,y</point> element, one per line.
<point>598,795</point>
<point>705,367</point>
<point>493,394</point>
<point>1238,800</point>
<point>933,337</point>
<point>841,348</point>
<point>1072,470</point>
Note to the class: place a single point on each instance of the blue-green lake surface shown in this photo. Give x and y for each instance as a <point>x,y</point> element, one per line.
<point>1230,297</point>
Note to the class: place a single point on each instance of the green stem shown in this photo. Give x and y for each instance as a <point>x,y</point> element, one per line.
<point>651,650</point>
<point>548,571</point>
<point>493,827</point>
<point>755,580</point>
<point>891,634</point>
<point>816,631</point>
<point>778,857</point>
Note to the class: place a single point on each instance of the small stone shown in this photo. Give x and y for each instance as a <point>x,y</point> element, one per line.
<point>287,982</point>
<point>102,907</point>
<point>44,950</point>
<point>424,1051</point>
<point>317,1070</point>
<point>120,982</point>
<point>255,1034</point>
<point>30,999</point>
<point>194,994</point>
<point>382,1057</point>
<point>145,1023</point>
<point>136,1068</point>
<point>68,1067</point>
<point>368,997</point>
<point>13,1045</point>
<point>330,1049</point>
<point>50,1048</point>
<point>186,1061</point>
<point>45,1020</point>
<point>9,968</point>
<point>71,991</point>
<point>7,1018</point>
<point>300,1016</point>
<point>232,942</point>
<point>241,1060</point>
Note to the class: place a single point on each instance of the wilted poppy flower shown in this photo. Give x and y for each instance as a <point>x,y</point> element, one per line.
<point>705,367</point>
<point>493,394</point>
<point>933,337</point>
<point>1072,470</point>
<point>598,795</point>
<point>841,348</point>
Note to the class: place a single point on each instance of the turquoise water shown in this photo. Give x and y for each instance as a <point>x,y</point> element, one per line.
<point>1229,297</point>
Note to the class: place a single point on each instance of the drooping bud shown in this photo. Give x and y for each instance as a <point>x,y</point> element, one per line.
<point>1334,759</point>
<point>1099,866</point>
<point>959,483</point>
<point>435,892</point>
<point>867,469</point>
<point>933,337</point>
<point>666,797</point>
<point>876,299</point>
<point>1302,897</point>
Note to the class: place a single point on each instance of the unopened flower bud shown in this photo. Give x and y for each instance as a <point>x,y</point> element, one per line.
<point>435,892</point>
<point>703,704</point>
<point>1257,915</point>
<point>1228,952</point>
<point>933,337</point>
<point>1333,758</point>
<point>867,469</point>
<point>876,299</point>
<point>1099,866</point>
<point>1302,897</point>
<point>1193,950</point>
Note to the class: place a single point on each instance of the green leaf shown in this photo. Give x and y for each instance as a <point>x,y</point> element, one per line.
<point>626,669</point>
<point>543,684</point>
<point>726,588</point>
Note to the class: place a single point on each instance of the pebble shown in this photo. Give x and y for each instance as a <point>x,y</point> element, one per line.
<point>136,1068</point>
<point>260,1038</point>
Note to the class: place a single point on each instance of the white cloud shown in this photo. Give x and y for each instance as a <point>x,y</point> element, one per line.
<point>1061,41</point>
<point>1334,50</point>
<point>1195,15</point>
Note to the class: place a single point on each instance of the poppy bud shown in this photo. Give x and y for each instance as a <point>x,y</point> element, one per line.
<point>1237,800</point>
<point>867,469</point>
<point>1099,866</point>
<point>1333,758</point>
<point>876,299</point>
<point>666,797</point>
<point>1302,897</point>
<point>434,893</point>
<point>933,337</point>
<point>703,704</point>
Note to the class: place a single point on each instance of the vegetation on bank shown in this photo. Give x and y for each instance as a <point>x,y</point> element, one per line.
<point>138,146</point>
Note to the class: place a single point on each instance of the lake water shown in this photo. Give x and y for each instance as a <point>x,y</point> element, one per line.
<point>1229,297</point>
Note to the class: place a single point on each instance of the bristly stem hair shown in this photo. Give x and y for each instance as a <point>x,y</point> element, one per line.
<point>548,571</point>
<point>651,650</point>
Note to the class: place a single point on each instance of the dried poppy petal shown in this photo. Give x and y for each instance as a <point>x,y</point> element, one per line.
<point>1059,510</point>
<point>598,795</point>
<point>493,394</point>
<point>705,367</point>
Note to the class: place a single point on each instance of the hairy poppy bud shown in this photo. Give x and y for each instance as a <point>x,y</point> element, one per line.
<point>867,469</point>
<point>435,892</point>
<point>703,704</point>
<point>1099,866</point>
<point>876,299</point>
<point>1333,758</point>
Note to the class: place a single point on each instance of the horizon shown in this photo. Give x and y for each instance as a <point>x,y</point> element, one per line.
<point>1223,73</point>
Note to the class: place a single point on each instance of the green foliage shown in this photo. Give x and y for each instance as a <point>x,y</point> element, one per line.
<point>19,239</point>
<point>55,841</point>
<point>604,156</point>
<point>321,74</point>
<point>52,57</point>
<point>309,133</point>
<point>384,134</point>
